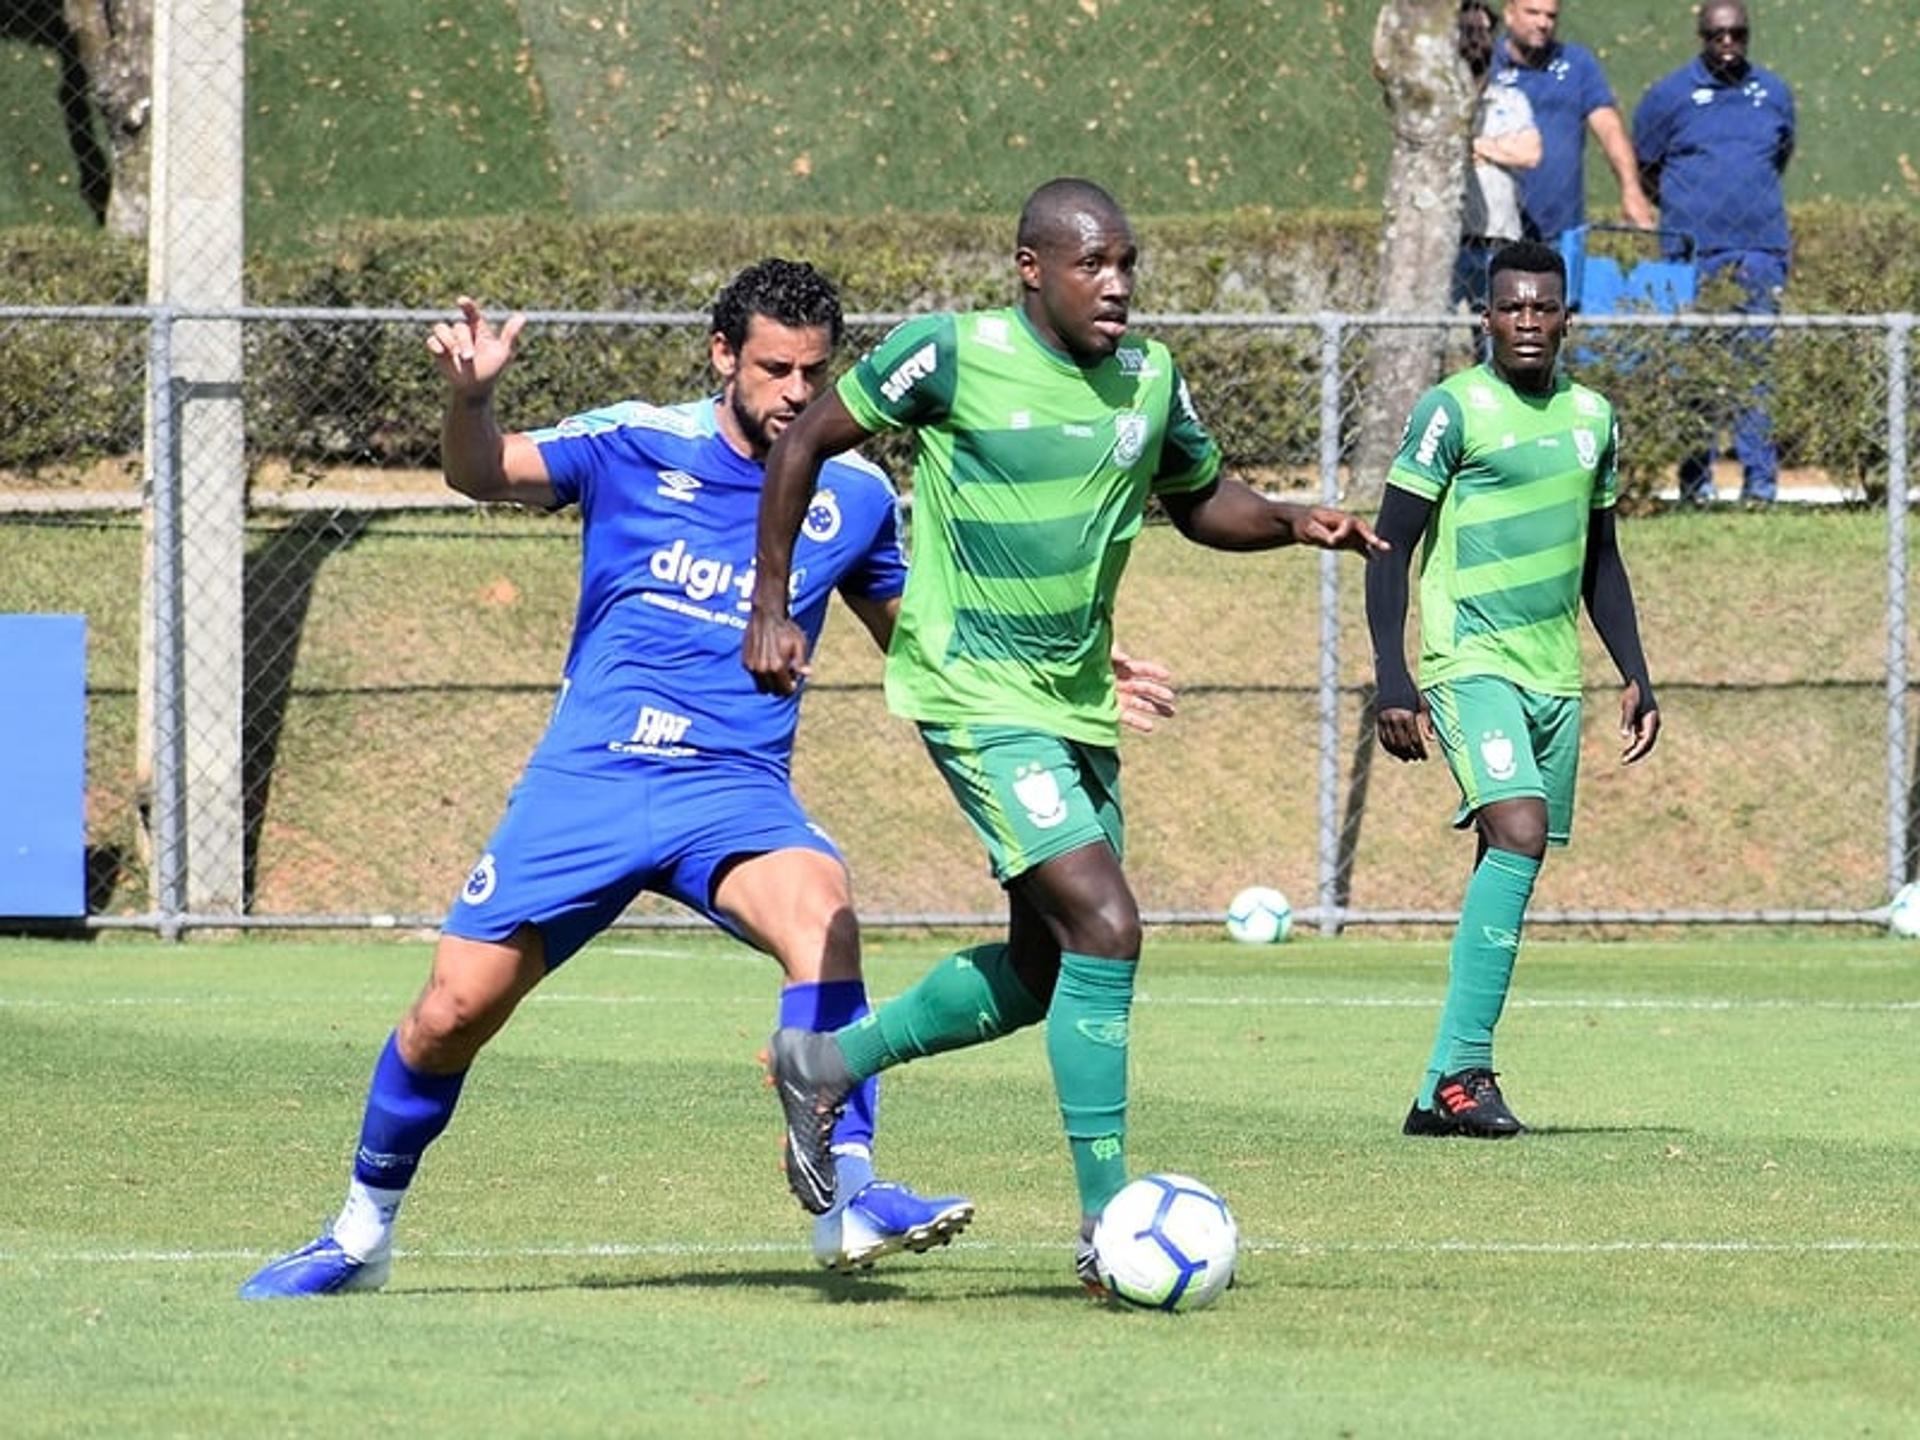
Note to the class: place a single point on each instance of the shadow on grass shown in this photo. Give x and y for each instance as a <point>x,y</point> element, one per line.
<point>833,1289</point>
<point>1545,1131</point>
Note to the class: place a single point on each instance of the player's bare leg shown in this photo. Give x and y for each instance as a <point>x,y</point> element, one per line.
<point>797,905</point>
<point>470,993</point>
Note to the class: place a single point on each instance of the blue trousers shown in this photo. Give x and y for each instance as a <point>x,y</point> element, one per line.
<point>1761,275</point>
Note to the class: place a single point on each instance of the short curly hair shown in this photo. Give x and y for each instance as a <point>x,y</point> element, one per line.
<point>1529,257</point>
<point>790,292</point>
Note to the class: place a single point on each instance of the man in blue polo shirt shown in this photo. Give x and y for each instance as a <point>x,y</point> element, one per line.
<point>1570,95</point>
<point>1714,138</point>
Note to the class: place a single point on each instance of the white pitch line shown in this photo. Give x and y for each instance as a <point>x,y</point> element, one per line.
<point>670,1250</point>
<point>1676,1004</point>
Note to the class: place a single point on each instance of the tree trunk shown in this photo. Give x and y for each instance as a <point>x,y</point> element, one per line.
<point>115,41</point>
<point>1430,99</point>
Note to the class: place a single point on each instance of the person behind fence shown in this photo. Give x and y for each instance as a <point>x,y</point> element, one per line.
<point>1505,144</point>
<point>662,768</point>
<point>1042,429</point>
<point>1570,96</point>
<point>1714,139</point>
<point>1506,481</point>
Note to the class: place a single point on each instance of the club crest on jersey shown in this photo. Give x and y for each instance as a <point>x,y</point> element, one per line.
<point>1586,445</point>
<point>481,881</point>
<point>1129,436</point>
<point>823,517</point>
<point>1496,753</point>
<point>1036,789</point>
<point>992,331</point>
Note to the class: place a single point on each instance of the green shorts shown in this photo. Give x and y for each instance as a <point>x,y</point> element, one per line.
<point>1504,742</point>
<point>1028,795</point>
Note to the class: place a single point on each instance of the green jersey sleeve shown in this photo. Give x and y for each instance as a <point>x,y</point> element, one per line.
<point>907,379</point>
<point>1606,475</point>
<point>1190,456</point>
<point>1431,447</point>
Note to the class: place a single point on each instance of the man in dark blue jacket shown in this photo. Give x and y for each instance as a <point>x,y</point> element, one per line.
<point>1713,139</point>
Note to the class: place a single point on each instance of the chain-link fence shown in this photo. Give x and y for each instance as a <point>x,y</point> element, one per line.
<point>313,673</point>
<point>320,724</point>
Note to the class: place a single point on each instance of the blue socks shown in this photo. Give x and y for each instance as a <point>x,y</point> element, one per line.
<point>406,1111</point>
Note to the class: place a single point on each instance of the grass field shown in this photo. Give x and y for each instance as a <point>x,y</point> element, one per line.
<point>525,106</point>
<point>1710,1232</point>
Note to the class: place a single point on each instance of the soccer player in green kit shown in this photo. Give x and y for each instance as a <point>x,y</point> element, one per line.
<point>1506,481</point>
<point>1042,429</point>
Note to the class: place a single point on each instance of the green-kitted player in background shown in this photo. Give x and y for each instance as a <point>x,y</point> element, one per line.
<point>1506,481</point>
<point>1041,429</point>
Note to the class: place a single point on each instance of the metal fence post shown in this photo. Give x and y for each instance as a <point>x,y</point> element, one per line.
<point>1328,849</point>
<point>1899,333</point>
<point>168,819</point>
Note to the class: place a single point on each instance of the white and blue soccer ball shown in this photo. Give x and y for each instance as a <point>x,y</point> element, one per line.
<point>1166,1242</point>
<point>1259,915</point>
<point>1903,914</point>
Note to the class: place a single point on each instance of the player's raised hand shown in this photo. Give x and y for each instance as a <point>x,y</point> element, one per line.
<point>774,650</point>
<point>1328,529</point>
<point>470,352</point>
<point>1638,728</point>
<point>1145,694</point>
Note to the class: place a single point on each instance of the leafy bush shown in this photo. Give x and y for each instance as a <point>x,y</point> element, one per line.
<point>323,392</point>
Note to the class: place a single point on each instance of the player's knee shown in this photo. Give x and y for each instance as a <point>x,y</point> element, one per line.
<point>1519,829</point>
<point>449,1023</point>
<point>1109,926</point>
<point>818,939</point>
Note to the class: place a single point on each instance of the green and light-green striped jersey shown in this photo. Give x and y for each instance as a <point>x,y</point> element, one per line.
<point>1031,475</point>
<point>1514,479</point>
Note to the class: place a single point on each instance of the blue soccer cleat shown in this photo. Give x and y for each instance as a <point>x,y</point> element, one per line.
<point>882,1218</point>
<point>320,1268</point>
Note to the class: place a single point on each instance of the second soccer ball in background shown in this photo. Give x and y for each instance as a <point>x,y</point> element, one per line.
<point>1259,915</point>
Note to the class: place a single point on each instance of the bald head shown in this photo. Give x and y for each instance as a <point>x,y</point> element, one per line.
<point>1058,207</point>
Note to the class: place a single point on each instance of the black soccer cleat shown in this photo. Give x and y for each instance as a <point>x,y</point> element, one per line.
<point>1086,1263</point>
<point>812,1080</point>
<point>1468,1103</point>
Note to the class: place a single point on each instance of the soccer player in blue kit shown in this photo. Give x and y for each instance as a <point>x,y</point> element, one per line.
<point>662,768</point>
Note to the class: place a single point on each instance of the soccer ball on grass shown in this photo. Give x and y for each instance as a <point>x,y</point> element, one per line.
<point>1166,1242</point>
<point>1903,915</point>
<point>1259,915</point>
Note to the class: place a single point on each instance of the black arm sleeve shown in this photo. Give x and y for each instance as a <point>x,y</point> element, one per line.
<point>1403,520</point>
<point>1610,602</point>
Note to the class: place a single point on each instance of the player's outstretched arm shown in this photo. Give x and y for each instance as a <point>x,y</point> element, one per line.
<point>774,649</point>
<point>478,459</point>
<point>1609,599</point>
<point>1230,515</point>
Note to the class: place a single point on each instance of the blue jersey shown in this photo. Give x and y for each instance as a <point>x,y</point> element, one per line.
<point>669,509</point>
<point>1565,90</point>
<point>1717,149</point>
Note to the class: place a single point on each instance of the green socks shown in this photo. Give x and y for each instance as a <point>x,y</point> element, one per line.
<point>1087,1047</point>
<point>974,996</point>
<point>1480,965</point>
<point>969,997</point>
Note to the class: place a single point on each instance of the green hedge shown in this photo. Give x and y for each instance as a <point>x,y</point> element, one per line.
<point>326,392</point>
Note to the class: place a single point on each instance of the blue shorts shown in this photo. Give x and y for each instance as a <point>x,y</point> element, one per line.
<point>572,851</point>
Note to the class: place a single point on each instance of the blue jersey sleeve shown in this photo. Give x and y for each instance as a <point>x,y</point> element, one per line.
<point>575,450</point>
<point>1591,81</point>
